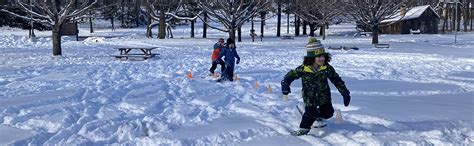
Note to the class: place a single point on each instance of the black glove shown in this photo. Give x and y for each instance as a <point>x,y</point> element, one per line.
<point>238,61</point>
<point>285,88</point>
<point>347,98</point>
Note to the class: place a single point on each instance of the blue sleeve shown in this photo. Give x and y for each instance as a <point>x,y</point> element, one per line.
<point>221,53</point>
<point>236,54</point>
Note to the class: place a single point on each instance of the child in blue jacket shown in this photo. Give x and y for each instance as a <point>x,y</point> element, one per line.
<point>230,53</point>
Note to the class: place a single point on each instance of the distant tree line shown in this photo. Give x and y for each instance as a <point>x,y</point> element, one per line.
<point>224,15</point>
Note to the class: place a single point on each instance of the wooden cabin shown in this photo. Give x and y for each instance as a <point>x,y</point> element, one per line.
<point>420,19</point>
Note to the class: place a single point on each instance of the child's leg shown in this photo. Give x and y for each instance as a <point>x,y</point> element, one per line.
<point>213,67</point>
<point>326,111</point>
<point>222,63</point>
<point>227,71</point>
<point>309,116</point>
<point>231,73</point>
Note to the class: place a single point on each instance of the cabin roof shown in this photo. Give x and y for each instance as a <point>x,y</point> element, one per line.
<point>413,13</point>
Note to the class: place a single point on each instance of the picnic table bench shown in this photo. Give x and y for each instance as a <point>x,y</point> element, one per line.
<point>363,33</point>
<point>142,52</point>
<point>381,45</point>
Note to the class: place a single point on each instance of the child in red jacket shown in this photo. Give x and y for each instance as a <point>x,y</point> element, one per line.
<point>215,54</point>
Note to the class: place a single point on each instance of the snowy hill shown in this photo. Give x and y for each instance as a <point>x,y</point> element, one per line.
<point>419,91</point>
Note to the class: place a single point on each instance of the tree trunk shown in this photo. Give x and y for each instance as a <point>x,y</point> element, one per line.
<point>252,31</point>
<point>297,26</point>
<point>311,29</point>
<point>470,16</point>
<point>149,33</point>
<point>304,27</point>
<point>204,26</point>
<point>278,19</point>
<point>453,27</point>
<point>31,33</point>
<point>162,32</point>
<point>112,22</point>
<point>90,22</point>
<point>466,15</point>
<point>122,21</point>
<point>192,28</point>
<point>375,34</point>
<point>323,31</point>
<point>262,23</point>
<point>170,32</point>
<point>288,23</point>
<point>56,39</point>
<point>458,18</point>
<point>232,33</point>
<point>239,34</point>
<point>445,19</point>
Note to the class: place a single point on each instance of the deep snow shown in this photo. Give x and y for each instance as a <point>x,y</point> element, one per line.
<point>418,91</point>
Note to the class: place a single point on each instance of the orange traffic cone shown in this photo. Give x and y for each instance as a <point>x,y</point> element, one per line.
<point>236,77</point>
<point>269,89</point>
<point>256,84</point>
<point>215,75</point>
<point>190,75</point>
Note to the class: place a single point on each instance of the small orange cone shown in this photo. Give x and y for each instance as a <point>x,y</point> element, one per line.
<point>190,75</point>
<point>256,84</point>
<point>215,75</point>
<point>269,89</point>
<point>236,78</point>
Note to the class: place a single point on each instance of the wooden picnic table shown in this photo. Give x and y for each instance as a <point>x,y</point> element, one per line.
<point>143,52</point>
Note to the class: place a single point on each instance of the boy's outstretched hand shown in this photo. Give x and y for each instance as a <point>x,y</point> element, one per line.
<point>347,98</point>
<point>285,88</point>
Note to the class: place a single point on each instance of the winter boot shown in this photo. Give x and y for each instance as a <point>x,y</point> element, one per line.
<point>319,123</point>
<point>301,131</point>
<point>221,80</point>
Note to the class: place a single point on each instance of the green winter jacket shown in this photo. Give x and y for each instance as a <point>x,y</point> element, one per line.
<point>315,90</point>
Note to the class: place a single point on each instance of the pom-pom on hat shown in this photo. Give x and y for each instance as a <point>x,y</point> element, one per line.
<point>314,43</point>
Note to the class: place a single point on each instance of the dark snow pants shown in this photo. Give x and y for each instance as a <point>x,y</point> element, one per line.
<point>214,66</point>
<point>229,70</point>
<point>311,113</point>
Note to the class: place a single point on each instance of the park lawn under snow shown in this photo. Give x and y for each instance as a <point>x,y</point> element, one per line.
<point>418,91</point>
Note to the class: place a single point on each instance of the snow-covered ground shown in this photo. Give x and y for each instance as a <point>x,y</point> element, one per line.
<point>418,91</point>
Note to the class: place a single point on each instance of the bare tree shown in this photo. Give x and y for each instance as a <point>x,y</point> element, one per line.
<point>279,4</point>
<point>110,11</point>
<point>163,11</point>
<point>465,11</point>
<point>232,14</point>
<point>55,13</point>
<point>370,13</point>
<point>319,12</point>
